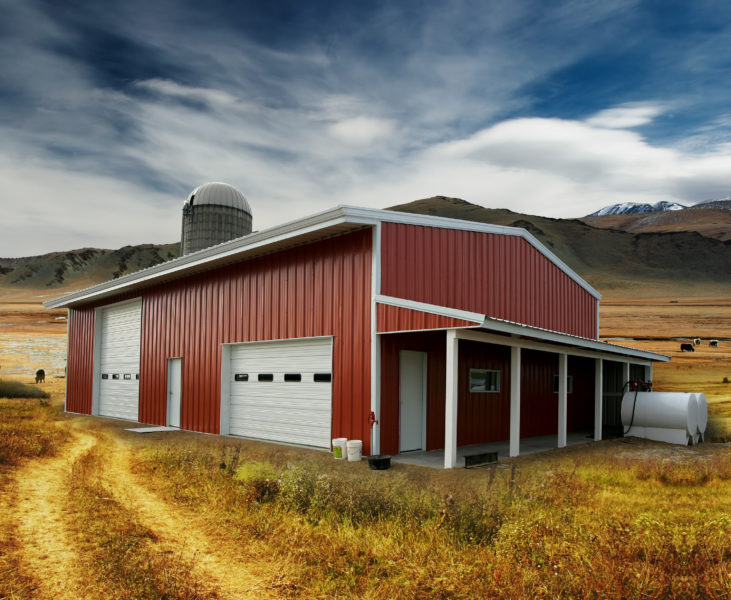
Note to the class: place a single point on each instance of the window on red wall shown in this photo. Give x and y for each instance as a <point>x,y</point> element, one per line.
<point>484,380</point>
<point>569,384</point>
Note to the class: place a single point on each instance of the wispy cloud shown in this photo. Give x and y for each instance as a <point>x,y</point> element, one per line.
<point>111,114</point>
<point>626,116</point>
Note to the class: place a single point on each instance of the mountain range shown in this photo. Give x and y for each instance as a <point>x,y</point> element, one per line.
<point>631,208</point>
<point>678,252</point>
<point>711,219</point>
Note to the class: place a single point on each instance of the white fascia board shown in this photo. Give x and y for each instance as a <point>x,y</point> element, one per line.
<point>442,311</point>
<point>572,340</point>
<point>340,215</point>
<point>461,224</point>
<point>214,254</point>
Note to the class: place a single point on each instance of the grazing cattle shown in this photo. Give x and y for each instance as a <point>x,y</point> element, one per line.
<point>688,347</point>
<point>697,342</point>
<point>713,343</point>
<point>40,376</point>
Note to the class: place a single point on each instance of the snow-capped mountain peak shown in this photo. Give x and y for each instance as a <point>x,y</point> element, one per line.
<point>633,208</point>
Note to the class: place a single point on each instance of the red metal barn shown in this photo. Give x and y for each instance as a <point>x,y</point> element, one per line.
<point>452,333</point>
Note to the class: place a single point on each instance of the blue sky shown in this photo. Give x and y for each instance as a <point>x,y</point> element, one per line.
<point>112,112</point>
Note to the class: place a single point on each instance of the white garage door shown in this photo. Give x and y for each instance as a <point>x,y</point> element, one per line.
<point>119,373</point>
<point>282,391</point>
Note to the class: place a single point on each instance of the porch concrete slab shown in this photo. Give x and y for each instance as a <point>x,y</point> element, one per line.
<point>435,458</point>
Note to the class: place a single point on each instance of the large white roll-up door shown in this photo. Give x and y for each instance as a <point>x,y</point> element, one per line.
<point>119,372</point>
<point>282,391</point>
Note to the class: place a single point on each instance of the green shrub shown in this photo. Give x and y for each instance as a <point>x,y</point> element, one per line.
<point>259,480</point>
<point>16,389</point>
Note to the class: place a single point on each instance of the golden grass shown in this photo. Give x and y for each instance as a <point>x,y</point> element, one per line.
<point>654,321</point>
<point>27,430</point>
<point>619,519</point>
<point>118,551</point>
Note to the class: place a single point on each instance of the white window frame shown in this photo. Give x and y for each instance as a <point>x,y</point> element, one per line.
<point>569,384</point>
<point>487,377</point>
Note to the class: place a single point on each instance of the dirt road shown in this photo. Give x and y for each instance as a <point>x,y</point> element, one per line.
<point>46,531</point>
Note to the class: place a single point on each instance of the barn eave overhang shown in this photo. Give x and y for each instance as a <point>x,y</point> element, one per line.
<point>511,333</point>
<point>335,221</point>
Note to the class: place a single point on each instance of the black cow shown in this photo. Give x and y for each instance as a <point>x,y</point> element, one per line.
<point>40,376</point>
<point>713,343</point>
<point>688,347</point>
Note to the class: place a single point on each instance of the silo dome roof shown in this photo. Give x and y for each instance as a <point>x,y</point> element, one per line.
<point>218,193</point>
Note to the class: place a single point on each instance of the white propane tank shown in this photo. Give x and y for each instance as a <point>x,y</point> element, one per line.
<point>700,398</point>
<point>662,416</point>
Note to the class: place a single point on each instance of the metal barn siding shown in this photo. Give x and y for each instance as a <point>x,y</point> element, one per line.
<point>580,405</point>
<point>481,417</point>
<point>433,343</point>
<point>80,363</point>
<point>322,288</point>
<point>501,276</point>
<point>539,403</point>
<point>395,318</point>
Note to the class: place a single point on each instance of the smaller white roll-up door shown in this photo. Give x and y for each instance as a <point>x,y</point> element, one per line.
<point>282,391</point>
<point>119,364</point>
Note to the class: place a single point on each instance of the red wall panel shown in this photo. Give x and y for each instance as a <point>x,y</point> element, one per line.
<point>483,417</point>
<point>79,366</point>
<point>395,318</point>
<point>434,344</point>
<point>539,403</point>
<point>498,275</point>
<point>322,288</point>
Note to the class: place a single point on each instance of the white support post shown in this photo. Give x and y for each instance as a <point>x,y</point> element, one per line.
<point>375,341</point>
<point>648,372</point>
<point>514,400</point>
<point>625,375</point>
<point>450,398</point>
<point>598,388</point>
<point>562,398</point>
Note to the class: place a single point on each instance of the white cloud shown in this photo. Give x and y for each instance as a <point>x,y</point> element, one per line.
<point>361,131</point>
<point>171,88</point>
<point>626,116</point>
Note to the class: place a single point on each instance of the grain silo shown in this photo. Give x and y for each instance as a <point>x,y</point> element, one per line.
<point>214,213</point>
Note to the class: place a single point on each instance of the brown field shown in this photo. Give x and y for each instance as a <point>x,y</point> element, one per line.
<point>651,324</point>
<point>89,510</point>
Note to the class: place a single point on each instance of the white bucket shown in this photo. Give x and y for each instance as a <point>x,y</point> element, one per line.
<point>340,448</point>
<point>355,450</point>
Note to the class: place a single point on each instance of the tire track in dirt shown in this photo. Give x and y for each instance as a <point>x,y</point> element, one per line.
<point>46,545</point>
<point>216,562</point>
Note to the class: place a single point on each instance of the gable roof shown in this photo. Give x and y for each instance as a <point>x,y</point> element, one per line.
<point>334,221</point>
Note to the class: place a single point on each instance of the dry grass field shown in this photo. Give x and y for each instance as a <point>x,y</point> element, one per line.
<point>90,510</point>
<point>659,324</point>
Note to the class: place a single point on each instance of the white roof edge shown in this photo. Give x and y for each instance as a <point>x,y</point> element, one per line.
<point>565,338</point>
<point>442,311</point>
<point>515,328</point>
<point>338,215</point>
<point>333,216</point>
<point>393,216</point>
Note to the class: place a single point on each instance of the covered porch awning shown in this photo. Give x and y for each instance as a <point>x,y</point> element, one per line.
<point>397,315</point>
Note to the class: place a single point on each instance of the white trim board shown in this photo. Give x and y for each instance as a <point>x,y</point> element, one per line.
<point>513,328</point>
<point>442,311</point>
<point>334,221</point>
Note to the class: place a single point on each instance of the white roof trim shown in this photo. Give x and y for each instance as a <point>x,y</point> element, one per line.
<point>392,216</point>
<point>565,338</point>
<point>514,328</point>
<point>340,215</point>
<point>442,311</point>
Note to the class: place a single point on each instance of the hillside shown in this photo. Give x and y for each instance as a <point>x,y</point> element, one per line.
<point>616,262</point>
<point>711,219</point>
<point>76,269</point>
<point>683,263</point>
